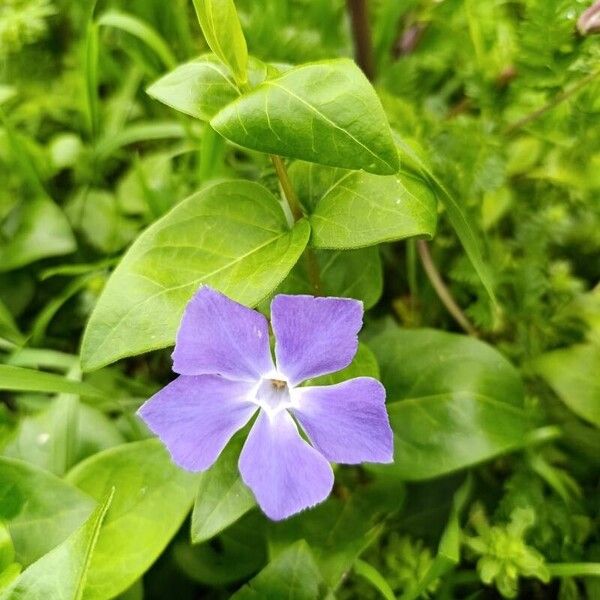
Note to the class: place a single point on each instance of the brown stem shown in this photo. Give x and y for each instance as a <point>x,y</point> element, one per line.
<point>312,265</point>
<point>558,99</point>
<point>363,44</point>
<point>442,291</point>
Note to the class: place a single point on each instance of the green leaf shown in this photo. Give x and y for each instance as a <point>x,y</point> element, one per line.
<point>453,401</point>
<point>61,435</point>
<point>349,274</point>
<point>361,209</point>
<point>8,328</point>
<point>36,229</point>
<point>40,509</point>
<point>465,230</point>
<point>140,30</point>
<point>293,575</point>
<point>61,574</point>
<point>18,379</point>
<point>222,497</point>
<point>325,112</point>
<point>223,33</point>
<point>152,498</point>
<point>236,554</point>
<point>573,374</point>
<point>448,555</point>
<point>202,87</point>
<point>339,530</point>
<point>232,235</point>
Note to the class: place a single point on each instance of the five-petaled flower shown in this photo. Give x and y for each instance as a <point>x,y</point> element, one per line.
<point>226,374</point>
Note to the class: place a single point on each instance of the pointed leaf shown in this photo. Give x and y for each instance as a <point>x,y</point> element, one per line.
<point>292,575</point>
<point>231,235</point>
<point>325,112</point>
<point>222,497</point>
<point>202,87</point>
<point>61,574</point>
<point>152,497</point>
<point>223,33</point>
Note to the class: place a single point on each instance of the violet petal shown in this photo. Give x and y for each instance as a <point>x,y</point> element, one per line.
<point>346,422</point>
<point>195,417</point>
<point>314,336</point>
<point>284,472</point>
<point>220,336</point>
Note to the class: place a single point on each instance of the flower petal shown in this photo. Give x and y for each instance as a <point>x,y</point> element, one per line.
<point>346,422</point>
<point>218,336</point>
<point>284,472</point>
<point>314,336</point>
<point>195,417</point>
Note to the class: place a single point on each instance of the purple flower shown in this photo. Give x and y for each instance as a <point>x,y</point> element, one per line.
<point>227,374</point>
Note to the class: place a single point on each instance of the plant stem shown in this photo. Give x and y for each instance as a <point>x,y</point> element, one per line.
<point>312,265</point>
<point>558,99</point>
<point>286,186</point>
<point>574,570</point>
<point>442,291</point>
<point>361,32</point>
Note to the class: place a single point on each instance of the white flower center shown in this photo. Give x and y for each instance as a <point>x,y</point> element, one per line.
<point>272,394</point>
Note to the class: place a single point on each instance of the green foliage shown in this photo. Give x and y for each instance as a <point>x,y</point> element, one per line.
<point>63,571</point>
<point>134,167</point>
<point>504,555</point>
<point>314,112</point>
<point>453,401</point>
<point>233,236</point>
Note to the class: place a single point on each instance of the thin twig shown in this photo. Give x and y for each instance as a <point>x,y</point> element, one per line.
<point>558,99</point>
<point>442,291</point>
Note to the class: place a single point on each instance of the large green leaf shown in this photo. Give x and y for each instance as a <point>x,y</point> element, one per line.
<point>232,235</point>
<point>30,380</point>
<point>152,497</point>
<point>292,575</point>
<point>573,374</point>
<point>222,497</point>
<point>61,574</point>
<point>36,229</point>
<point>202,87</point>
<point>361,209</point>
<point>453,401</point>
<point>221,28</point>
<point>344,273</point>
<point>40,509</point>
<point>325,112</point>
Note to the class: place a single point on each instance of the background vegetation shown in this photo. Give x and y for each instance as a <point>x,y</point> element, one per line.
<point>494,493</point>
